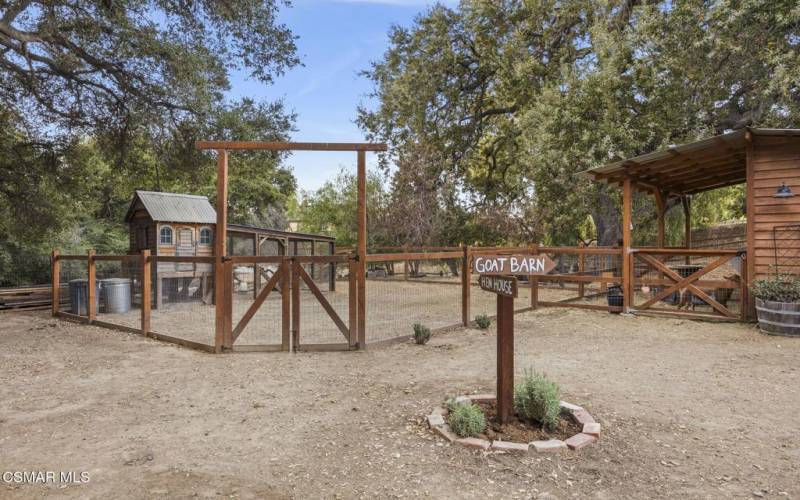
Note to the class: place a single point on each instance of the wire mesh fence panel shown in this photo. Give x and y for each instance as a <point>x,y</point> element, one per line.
<point>581,276</point>
<point>324,312</point>
<point>652,283</point>
<point>183,299</point>
<point>264,323</point>
<point>120,292</point>
<point>73,279</point>
<point>430,294</point>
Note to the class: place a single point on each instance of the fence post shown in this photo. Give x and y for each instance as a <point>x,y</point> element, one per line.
<point>581,269</point>
<point>286,303</point>
<point>466,283</point>
<point>295,305</point>
<point>352,292</point>
<point>744,292</point>
<point>227,266</point>
<point>55,272</point>
<point>534,281</point>
<point>147,289</point>
<point>91,292</point>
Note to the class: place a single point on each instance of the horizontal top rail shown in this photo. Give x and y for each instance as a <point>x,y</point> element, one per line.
<point>290,146</point>
<point>583,250</point>
<point>72,257</point>
<point>687,251</point>
<point>386,257</point>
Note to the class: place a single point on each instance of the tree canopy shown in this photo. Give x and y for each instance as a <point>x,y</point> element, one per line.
<point>513,98</point>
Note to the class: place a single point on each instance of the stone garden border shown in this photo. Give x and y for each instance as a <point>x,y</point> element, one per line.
<point>591,430</point>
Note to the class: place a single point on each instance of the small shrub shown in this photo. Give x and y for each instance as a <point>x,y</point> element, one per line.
<point>538,399</point>
<point>778,288</point>
<point>483,321</point>
<point>466,420</point>
<point>422,334</point>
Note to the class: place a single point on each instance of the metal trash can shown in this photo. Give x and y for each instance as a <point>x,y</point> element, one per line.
<point>116,295</point>
<point>79,296</point>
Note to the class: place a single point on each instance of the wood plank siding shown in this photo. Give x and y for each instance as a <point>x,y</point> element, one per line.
<point>775,160</point>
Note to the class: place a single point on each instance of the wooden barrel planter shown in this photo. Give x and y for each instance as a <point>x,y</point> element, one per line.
<point>778,318</point>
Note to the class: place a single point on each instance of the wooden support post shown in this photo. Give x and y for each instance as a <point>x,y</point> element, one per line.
<point>687,224</point>
<point>362,249</point>
<point>749,266</point>
<point>286,302</point>
<point>332,277</point>
<point>581,270</point>
<point>352,290</point>
<point>228,309</point>
<point>627,256</point>
<point>295,305</point>
<point>466,283</point>
<point>256,268</point>
<point>91,292</point>
<point>55,272</point>
<point>146,291</point>
<point>661,209</point>
<point>534,280</point>
<point>220,241</point>
<point>505,358</point>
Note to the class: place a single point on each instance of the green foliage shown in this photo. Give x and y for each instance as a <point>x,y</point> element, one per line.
<point>422,334</point>
<point>778,288</point>
<point>466,420</point>
<point>483,321</point>
<point>511,99</point>
<point>538,399</point>
<point>332,208</point>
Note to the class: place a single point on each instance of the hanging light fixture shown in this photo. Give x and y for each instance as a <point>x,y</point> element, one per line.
<point>783,191</point>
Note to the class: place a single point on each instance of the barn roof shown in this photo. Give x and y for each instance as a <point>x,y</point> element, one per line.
<point>174,207</point>
<point>712,163</point>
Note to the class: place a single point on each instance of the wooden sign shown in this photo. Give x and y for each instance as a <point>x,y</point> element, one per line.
<point>501,285</point>
<point>529,265</point>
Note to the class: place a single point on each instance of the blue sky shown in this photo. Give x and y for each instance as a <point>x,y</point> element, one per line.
<point>337,39</point>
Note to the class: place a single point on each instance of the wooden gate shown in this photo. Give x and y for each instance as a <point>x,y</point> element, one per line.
<point>298,292</point>
<point>347,326</point>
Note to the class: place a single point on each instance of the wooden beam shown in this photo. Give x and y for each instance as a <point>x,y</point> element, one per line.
<point>146,291</point>
<point>362,248</point>
<point>91,291</point>
<point>286,312</point>
<point>289,146</point>
<point>220,241</point>
<point>661,208</point>
<point>686,202</point>
<point>466,279</point>
<point>750,228</point>
<point>55,273</point>
<point>627,259</point>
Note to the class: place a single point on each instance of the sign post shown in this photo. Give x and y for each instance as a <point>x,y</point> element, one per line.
<point>492,279</point>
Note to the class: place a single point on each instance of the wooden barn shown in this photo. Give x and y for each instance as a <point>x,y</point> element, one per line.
<point>767,161</point>
<point>171,224</point>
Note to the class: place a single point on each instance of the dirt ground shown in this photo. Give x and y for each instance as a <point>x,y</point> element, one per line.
<point>689,409</point>
<point>393,306</point>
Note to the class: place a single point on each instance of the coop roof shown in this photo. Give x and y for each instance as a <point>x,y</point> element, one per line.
<point>712,163</point>
<point>174,207</point>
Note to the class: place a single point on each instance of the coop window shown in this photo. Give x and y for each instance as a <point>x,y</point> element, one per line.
<point>205,236</point>
<point>165,235</point>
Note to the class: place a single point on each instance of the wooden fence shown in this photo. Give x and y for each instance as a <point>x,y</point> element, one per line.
<point>278,306</point>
